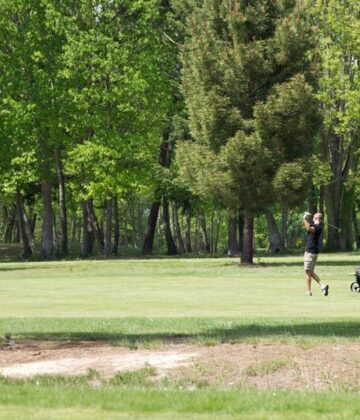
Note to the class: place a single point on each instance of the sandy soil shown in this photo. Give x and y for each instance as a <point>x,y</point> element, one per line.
<point>266,366</point>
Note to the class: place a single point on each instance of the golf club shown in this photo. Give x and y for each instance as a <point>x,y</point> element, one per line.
<point>335,227</point>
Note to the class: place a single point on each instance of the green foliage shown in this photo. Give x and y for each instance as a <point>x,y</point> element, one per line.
<point>339,46</point>
<point>246,82</point>
<point>203,173</point>
<point>339,93</point>
<point>91,80</point>
<point>288,120</point>
<point>321,171</point>
<point>291,182</point>
<point>101,85</point>
<point>249,164</point>
<point>119,95</point>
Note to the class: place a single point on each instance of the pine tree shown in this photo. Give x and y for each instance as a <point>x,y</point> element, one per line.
<point>247,73</point>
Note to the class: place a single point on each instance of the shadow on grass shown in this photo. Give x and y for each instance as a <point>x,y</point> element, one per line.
<point>26,268</point>
<point>346,329</point>
<point>320,262</point>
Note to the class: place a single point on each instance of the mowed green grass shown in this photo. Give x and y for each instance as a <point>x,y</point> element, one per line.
<point>177,296</point>
<point>176,288</point>
<point>40,403</point>
<point>155,300</point>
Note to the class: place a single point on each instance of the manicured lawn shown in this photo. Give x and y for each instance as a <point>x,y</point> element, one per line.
<point>50,402</point>
<point>149,301</point>
<point>113,299</point>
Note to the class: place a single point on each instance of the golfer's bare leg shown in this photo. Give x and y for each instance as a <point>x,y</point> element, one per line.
<point>308,279</point>
<point>316,277</point>
<point>322,286</point>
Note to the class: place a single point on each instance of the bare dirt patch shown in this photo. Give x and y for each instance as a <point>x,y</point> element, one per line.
<point>25,359</point>
<point>265,366</point>
<point>278,366</point>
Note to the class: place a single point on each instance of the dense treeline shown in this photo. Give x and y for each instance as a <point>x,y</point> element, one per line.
<point>177,126</point>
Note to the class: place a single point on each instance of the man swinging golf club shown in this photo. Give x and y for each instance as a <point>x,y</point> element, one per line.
<point>314,229</point>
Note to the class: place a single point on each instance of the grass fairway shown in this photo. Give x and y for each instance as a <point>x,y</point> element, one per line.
<point>191,297</point>
<point>155,300</point>
<point>85,403</point>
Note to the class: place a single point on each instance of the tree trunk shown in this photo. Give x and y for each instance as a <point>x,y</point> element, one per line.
<point>27,252</point>
<point>29,227</point>
<point>217,232</point>
<point>196,235</point>
<point>98,232</point>
<point>9,220</point>
<point>115,249</point>
<point>126,232</point>
<point>275,240</point>
<point>331,193</point>
<point>73,229</point>
<point>160,230</point>
<point>88,234</point>
<point>164,161</point>
<point>333,151</point>
<point>356,229</point>
<point>140,213</point>
<point>187,232</point>
<point>133,222</point>
<point>5,217</point>
<point>346,236</point>
<point>171,247</point>
<point>284,225</point>
<point>108,228</point>
<point>16,231</point>
<point>48,248</point>
<point>241,228</point>
<point>248,238</point>
<point>233,244</point>
<point>63,248</point>
<point>176,224</point>
<point>56,245</point>
<point>32,224</point>
<point>79,232</point>
<point>212,231</point>
<point>202,223</point>
<point>147,248</point>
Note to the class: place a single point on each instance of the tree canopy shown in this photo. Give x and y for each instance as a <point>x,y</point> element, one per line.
<point>113,113</point>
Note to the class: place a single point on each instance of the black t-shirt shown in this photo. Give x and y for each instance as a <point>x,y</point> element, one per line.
<point>312,239</point>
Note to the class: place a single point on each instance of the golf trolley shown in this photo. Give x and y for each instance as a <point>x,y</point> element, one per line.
<point>355,286</point>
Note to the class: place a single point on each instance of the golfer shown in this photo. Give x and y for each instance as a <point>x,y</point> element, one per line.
<point>314,230</point>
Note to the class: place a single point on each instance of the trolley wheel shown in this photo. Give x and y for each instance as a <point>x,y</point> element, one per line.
<point>355,287</point>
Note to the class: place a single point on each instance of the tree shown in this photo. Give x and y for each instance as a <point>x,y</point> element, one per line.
<point>246,82</point>
<point>339,93</point>
<point>32,95</point>
<point>84,92</point>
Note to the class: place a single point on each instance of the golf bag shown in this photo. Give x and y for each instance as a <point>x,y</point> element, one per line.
<point>355,286</point>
